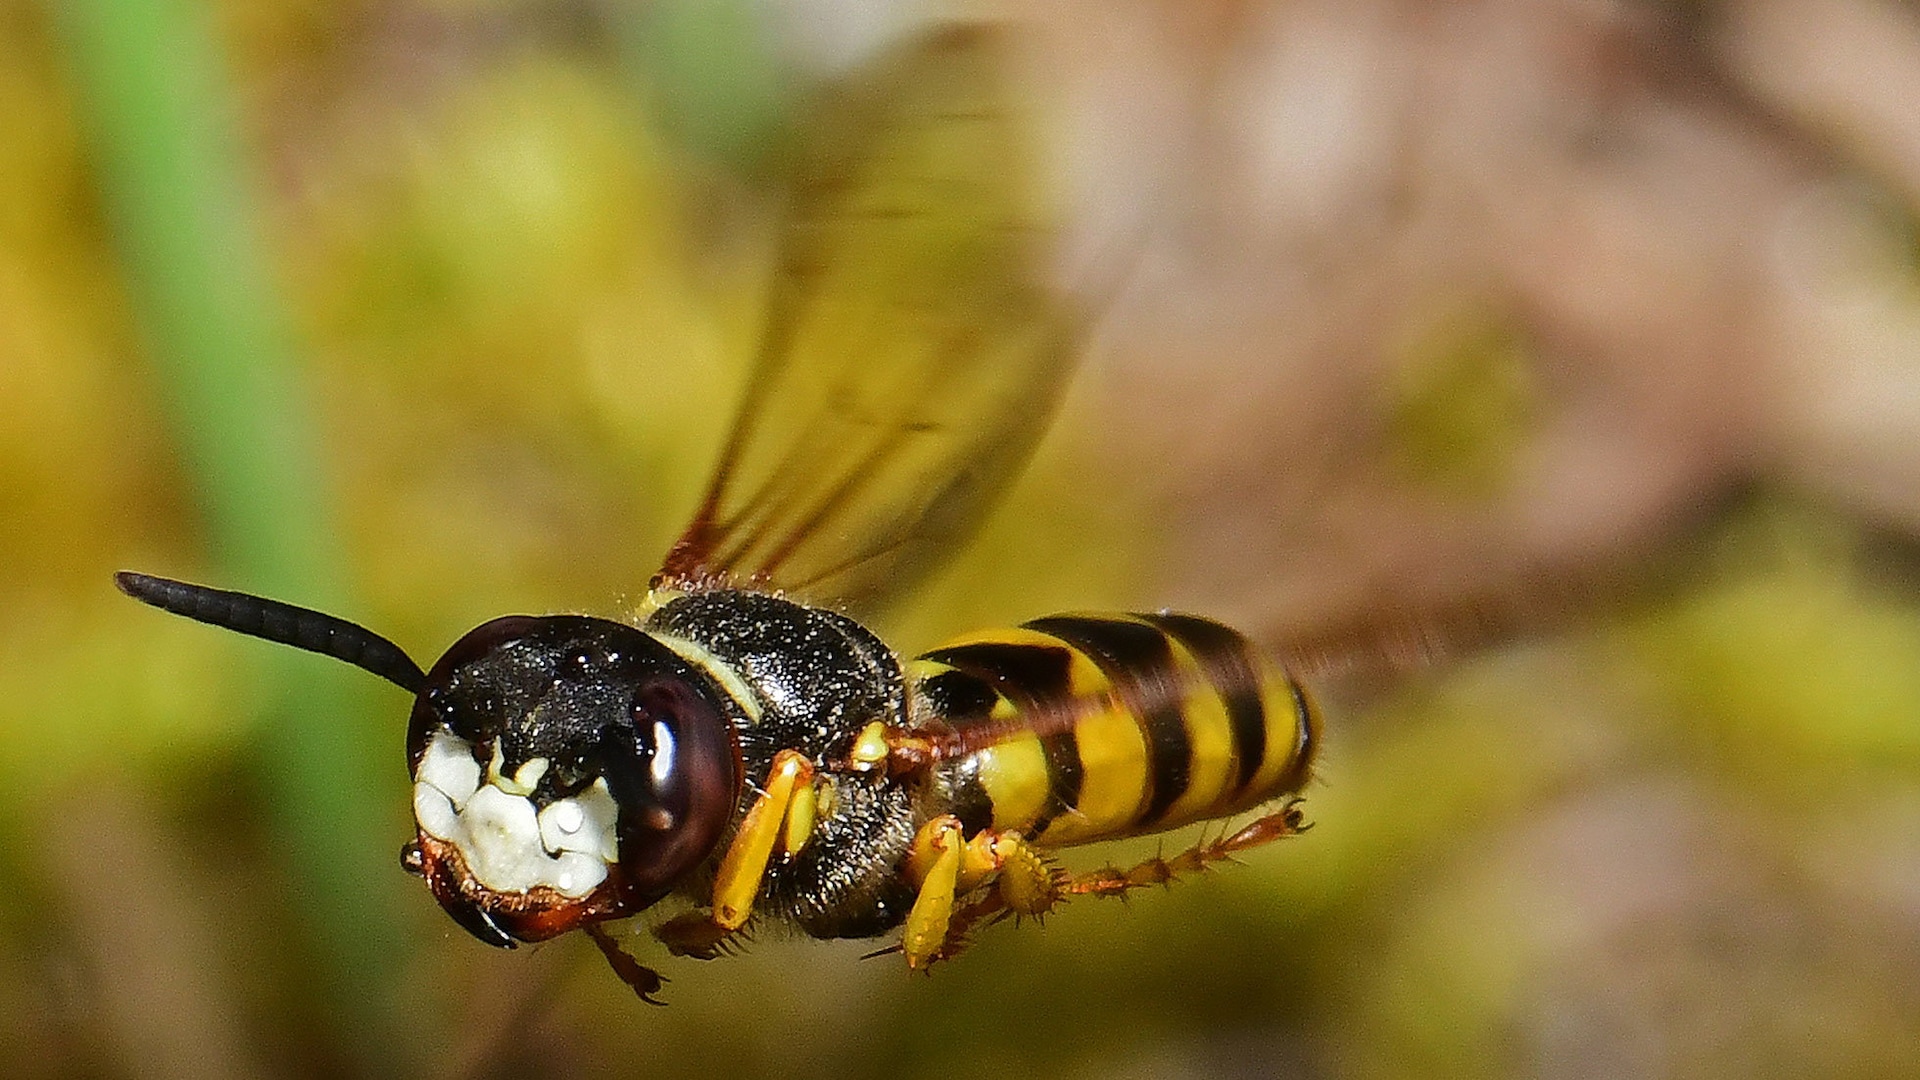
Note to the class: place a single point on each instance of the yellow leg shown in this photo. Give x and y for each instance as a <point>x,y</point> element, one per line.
<point>935,861</point>
<point>1113,881</point>
<point>947,868</point>
<point>767,823</point>
<point>1025,881</point>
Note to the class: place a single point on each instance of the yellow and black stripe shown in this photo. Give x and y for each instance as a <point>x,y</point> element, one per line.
<point>1079,728</point>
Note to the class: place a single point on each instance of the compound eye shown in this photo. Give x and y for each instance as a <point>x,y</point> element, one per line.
<point>676,780</point>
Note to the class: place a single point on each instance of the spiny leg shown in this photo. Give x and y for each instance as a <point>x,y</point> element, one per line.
<point>695,934</point>
<point>1113,881</point>
<point>990,908</point>
<point>1025,881</point>
<point>948,867</point>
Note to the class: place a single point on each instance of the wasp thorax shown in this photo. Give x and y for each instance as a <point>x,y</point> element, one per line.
<point>566,770</point>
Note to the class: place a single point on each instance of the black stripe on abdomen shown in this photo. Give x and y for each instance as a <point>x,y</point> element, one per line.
<point>1032,678</point>
<point>1137,659</point>
<point>1222,654</point>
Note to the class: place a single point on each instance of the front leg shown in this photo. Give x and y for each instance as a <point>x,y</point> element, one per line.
<point>642,979</point>
<point>783,817</point>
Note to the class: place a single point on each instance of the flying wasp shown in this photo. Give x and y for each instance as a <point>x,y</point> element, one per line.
<point>743,742</point>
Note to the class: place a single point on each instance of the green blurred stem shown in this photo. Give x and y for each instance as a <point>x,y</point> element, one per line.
<point>152,82</point>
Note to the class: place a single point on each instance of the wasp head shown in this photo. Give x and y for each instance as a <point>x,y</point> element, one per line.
<point>565,769</point>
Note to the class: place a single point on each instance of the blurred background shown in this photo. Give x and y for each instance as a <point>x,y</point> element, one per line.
<point>1543,373</point>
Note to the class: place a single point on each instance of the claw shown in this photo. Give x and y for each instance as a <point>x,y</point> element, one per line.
<point>645,981</point>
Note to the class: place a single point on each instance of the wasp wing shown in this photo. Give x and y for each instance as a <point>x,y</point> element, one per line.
<point>911,358</point>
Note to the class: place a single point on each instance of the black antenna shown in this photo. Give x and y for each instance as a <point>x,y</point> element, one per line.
<point>256,616</point>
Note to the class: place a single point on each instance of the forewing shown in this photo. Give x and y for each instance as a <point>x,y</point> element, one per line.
<point>911,359</point>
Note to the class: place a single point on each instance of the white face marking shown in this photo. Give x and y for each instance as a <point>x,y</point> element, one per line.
<point>507,846</point>
<point>523,780</point>
<point>498,829</point>
<point>567,816</point>
<point>527,777</point>
<point>435,812</point>
<point>578,874</point>
<point>593,814</point>
<point>448,767</point>
<point>663,754</point>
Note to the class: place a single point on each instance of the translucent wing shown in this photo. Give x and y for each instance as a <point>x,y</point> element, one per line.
<point>911,358</point>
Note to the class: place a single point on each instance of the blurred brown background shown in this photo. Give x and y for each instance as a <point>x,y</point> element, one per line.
<point>1545,373</point>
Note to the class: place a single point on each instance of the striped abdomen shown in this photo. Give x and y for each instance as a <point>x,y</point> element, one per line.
<point>1080,728</point>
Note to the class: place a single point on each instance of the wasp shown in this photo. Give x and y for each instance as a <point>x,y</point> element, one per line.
<point>741,740</point>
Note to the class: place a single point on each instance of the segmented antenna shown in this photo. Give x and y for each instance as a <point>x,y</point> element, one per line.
<point>256,616</point>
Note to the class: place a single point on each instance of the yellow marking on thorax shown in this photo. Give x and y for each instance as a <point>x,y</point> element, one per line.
<point>722,673</point>
<point>652,602</point>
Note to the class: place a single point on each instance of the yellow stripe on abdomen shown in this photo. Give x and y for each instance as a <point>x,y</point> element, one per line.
<point>1293,735</point>
<point>1013,774</point>
<point>1113,778</point>
<point>1073,729</point>
<point>1212,772</point>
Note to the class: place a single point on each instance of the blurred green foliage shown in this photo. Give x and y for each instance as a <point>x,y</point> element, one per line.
<point>177,196</point>
<point>501,295</point>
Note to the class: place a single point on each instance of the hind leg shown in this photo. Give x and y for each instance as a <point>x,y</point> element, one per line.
<point>1113,881</point>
